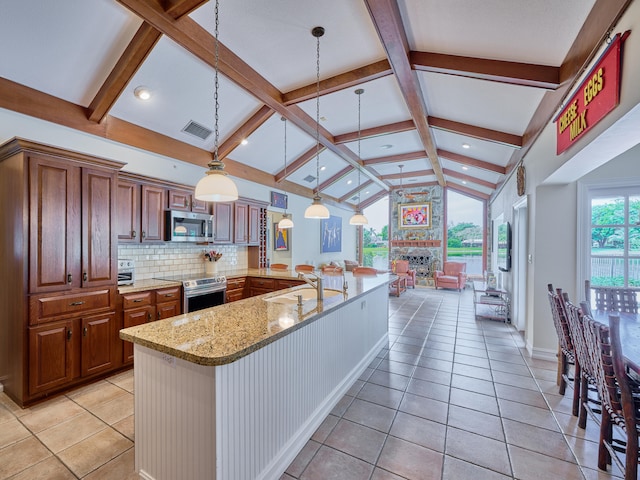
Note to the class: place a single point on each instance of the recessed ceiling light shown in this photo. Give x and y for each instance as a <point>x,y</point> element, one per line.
<point>386,146</point>
<point>367,192</point>
<point>465,168</point>
<point>466,145</point>
<point>323,119</point>
<point>143,93</point>
<point>323,168</point>
<point>244,141</point>
<point>412,180</point>
<point>464,182</point>
<point>349,182</point>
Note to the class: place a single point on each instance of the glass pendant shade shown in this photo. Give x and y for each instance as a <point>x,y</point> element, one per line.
<point>316,209</point>
<point>285,222</point>
<point>358,219</point>
<point>215,186</point>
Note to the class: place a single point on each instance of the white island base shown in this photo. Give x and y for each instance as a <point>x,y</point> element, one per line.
<point>250,418</point>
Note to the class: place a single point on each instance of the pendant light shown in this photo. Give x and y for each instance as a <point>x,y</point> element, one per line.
<point>317,209</point>
<point>358,218</point>
<point>286,221</point>
<point>216,186</point>
<point>400,191</point>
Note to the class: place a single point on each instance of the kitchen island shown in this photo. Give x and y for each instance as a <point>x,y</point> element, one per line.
<point>235,391</point>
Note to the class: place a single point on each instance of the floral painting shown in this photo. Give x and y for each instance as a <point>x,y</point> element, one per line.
<point>414,215</point>
<point>331,234</point>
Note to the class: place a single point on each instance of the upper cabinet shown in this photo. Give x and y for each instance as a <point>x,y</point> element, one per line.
<point>247,223</point>
<point>223,222</point>
<point>71,219</point>
<point>185,201</point>
<point>140,212</point>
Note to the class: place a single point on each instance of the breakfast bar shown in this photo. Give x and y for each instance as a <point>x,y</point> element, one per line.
<point>235,391</point>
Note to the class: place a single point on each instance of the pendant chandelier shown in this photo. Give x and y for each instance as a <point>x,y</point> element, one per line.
<point>286,221</point>
<point>216,186</point>
<point>317,209</point>
<point>358,218</point>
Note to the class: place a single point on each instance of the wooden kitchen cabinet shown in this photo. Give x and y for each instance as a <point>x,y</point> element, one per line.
<point>247,223</point>
<point>235,289</point>
<point>184,200</point>
<point>223,223</point>
<point>258,285</point>
<point>168,302</point>
<point>70,225</point>
<point>139,211</point>
<point>60,261</point>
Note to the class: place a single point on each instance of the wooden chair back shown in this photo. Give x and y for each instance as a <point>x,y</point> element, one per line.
<point>304,268</point>
<point>279,266</point>
<point>364,271</point>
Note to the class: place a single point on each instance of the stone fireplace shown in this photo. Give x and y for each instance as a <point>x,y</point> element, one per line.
<point>420,263</point>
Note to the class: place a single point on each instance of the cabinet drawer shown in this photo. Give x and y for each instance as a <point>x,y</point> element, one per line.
<point>264,283</point>
<point>140,299</point>
<point>46,308</point>
<point>282,284</point>
<point>235,283</point>
<point>168,295</point>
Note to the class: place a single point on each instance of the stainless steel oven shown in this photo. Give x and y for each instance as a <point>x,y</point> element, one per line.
<point>204,293</point>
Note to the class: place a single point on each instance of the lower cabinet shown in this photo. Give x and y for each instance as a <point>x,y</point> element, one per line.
<point>235,289</point>
<point>147,306</point>
<point>258,286</point>
<point>60,352</point>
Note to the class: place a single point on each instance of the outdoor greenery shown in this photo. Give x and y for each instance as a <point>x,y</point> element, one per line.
<point>374,245</point>
<point>464,239</point>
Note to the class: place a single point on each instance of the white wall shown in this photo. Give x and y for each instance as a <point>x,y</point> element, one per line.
<point>551,188</point>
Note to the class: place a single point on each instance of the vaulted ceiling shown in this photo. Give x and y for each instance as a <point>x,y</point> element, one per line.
<point>455,91</point>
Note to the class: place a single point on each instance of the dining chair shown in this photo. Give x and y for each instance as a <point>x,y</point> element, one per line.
<point>279,266</point>
<point>615,387</point>
<point>332,270</point>
<point>566,352</point>
<point>304,268</point>
<point>612,299</point>
<point>364,271</point>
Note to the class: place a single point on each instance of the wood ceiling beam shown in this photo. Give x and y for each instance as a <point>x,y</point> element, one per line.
<point>254,122</point>
<point>417,173</point>
<point>337,177</point>
<point>472,162</point>
<point>131,59</point>
<point>353,192</point>
<point>468,178</point>
<point>373,199</point>
<point>473,131</point>
<point>126,67</point>
<point>200,43</point>
<point>387,20</point>
<point>298,163</point>
<point>397,127</point>
<point>514,73</point>
<point>401,157</point>
<point>468,191</point>
<point>339,82</point>
<point>601,19</point>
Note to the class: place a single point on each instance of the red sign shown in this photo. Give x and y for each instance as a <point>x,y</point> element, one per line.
<point>597,95</point>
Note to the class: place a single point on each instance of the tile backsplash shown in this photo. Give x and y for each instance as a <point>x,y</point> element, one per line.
<point>176,259</point>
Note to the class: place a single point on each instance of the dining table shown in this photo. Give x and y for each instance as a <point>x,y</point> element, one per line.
<point>629,335</point>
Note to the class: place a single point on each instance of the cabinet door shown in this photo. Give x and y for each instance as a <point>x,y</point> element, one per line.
<point>180,200</point>
<point>241,236</point>
<point>54,225</point>
<point>128,212</point>
<point>50,356</point>
<point>99,246</point>
<point>166,310</point>
<point>152,215</point>
<point>98,343</point>
<point>132,318</point>
<point>223,222</point>
<point>254,225</point>
<point>199,206</point>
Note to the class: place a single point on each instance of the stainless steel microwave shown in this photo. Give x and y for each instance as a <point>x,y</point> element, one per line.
<point>188,227</point>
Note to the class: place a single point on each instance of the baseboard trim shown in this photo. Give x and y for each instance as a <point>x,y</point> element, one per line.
<point>543,354</point>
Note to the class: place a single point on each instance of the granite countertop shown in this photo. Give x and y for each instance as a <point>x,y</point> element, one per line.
<point>223,334</point>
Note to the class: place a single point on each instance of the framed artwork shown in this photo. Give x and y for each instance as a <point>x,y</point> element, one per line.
<point>331,234</point>
<point>279,200</point>
<point>414,215</point>
<point>281,237</point>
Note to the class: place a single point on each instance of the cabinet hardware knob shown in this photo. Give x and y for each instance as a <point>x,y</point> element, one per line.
<point>134,234</point>
<point>84,332</point>
<point>137,300</point>
<point>168,294</point>
<point>149,316</point>
<point>75,304</point>
<point>69,278</point>
<point>158,315</point>
<point>144,235</point>
<point>84,276</point>
<point>69,333</point>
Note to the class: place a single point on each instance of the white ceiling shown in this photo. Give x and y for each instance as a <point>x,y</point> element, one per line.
<point>67,48</point>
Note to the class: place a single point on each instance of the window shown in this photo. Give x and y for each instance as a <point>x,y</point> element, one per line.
<point>615,237</point>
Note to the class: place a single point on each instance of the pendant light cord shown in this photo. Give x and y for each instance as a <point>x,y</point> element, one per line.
<point>215,94</point>
<point>285,156</point>
<point>359,92</point>
<point>317,115</point>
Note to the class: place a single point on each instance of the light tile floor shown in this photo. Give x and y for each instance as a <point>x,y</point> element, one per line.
<point>451,398</point>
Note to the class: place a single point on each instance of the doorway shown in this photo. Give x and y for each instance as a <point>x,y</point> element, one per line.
<point>520,263</point>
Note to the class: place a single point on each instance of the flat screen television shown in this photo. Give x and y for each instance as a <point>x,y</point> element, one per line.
<point>504,247</point>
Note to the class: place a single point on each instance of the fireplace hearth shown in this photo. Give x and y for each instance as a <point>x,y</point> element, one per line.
<point>422,264</point>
